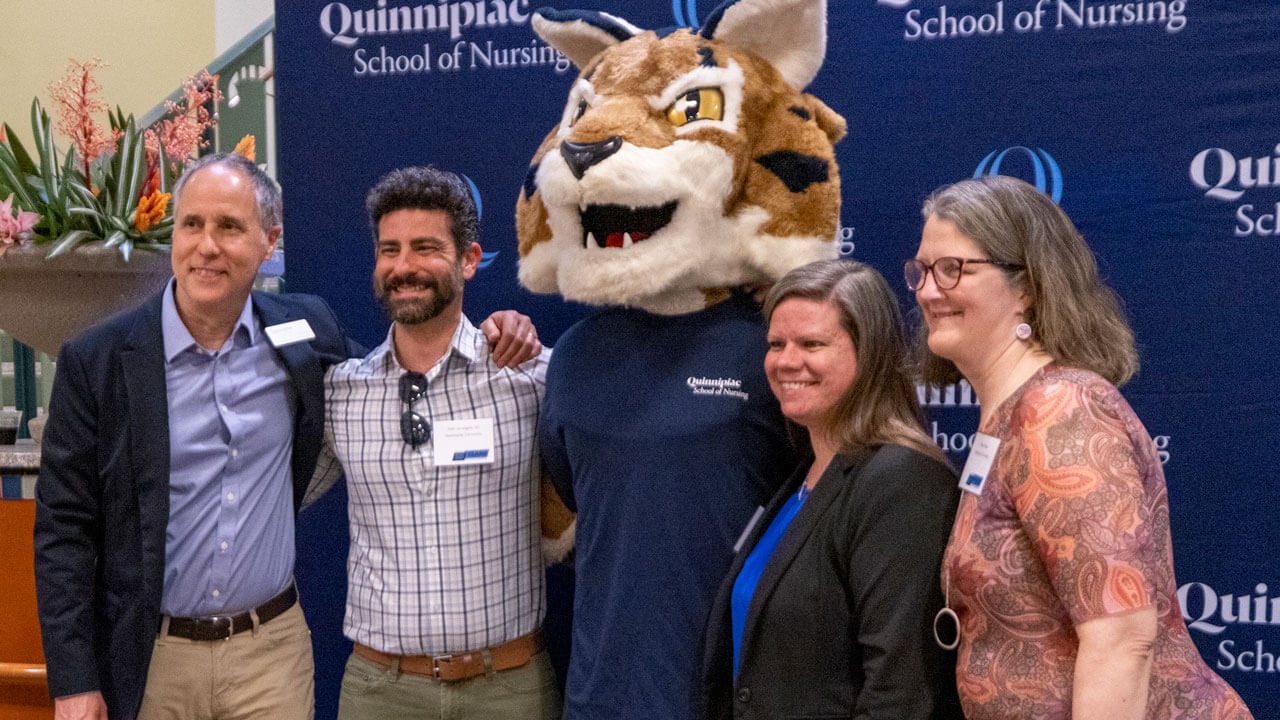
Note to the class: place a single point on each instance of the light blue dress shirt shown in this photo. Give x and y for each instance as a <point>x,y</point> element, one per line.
<point>230,540</point>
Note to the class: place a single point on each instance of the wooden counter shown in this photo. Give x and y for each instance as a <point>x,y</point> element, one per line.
<point>23,693</point>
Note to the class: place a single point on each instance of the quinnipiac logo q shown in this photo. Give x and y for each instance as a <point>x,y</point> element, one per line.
<point>685,12</point>
<point>486,258</point>
<point>1044,173</point>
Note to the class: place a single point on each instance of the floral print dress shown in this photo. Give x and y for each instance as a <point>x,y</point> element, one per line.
<point>1072,525</point>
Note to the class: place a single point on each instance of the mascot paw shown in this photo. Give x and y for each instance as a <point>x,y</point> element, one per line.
<point>556,549</point>
<point>558,525</point>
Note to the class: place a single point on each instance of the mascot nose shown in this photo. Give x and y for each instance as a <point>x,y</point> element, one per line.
<point>581,156</point>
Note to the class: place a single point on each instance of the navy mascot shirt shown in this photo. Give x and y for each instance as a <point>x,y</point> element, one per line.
<point>662,434</point>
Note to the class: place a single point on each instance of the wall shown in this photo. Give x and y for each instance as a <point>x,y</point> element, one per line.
<point>233,19</point>
<point>151,47</point>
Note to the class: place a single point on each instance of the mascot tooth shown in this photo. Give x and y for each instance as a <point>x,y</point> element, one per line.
<point>684,167</point>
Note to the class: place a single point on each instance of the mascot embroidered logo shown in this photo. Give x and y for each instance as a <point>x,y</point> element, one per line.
<point>721,387</point>
<point>703,167</point>
<point>1045,173</point>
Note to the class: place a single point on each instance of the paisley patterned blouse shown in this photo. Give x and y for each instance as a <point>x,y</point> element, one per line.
<point>1072,525</point>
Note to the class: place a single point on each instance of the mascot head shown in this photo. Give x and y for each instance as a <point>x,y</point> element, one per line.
<point>684,164</point>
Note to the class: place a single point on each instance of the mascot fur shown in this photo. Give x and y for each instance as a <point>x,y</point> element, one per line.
<point>687,165</point>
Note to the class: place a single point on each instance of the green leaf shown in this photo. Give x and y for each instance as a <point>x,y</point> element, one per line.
<point>45,149</point>
<point>81,194</point>
<point>161,232</point>
<point>115,239</point>
<point>165,170</point>
<point>69,166</point>
<point>19,152</point>
<point>12,180</point>
<point>158,249</point>
<point>133,170</point>
<point>91,212</point>
<point>68,242</point>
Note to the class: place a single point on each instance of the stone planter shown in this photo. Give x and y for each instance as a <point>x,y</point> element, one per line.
<point>44,303</point>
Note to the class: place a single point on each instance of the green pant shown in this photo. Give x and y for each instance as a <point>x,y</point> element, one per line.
<point>371,692</point>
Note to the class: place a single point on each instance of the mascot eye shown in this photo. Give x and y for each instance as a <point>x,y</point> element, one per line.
<point>579,112</point>
<point>699,104</point>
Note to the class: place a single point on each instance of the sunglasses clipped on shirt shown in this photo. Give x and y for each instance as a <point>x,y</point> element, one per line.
<point>413,427</point>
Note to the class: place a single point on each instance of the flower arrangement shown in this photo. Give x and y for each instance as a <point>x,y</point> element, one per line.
<point>112,185</point>
<point>14,228</point>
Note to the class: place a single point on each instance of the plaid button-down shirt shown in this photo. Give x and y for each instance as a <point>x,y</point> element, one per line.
<point>442,559</point>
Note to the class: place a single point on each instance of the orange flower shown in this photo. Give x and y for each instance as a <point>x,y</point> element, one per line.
<point>247,148</point>
<point>151,209</point>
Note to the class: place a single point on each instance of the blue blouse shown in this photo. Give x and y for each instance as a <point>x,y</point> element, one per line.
<point>744,587</point>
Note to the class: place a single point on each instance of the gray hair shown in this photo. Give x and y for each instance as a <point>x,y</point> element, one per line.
<point>266,193</point>
<point>1074,316</point>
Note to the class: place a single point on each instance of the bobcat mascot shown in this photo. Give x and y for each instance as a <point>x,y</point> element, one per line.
<point>687,165</point>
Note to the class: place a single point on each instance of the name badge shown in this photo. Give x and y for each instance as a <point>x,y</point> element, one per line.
<point>982,454</point>
<point>289,333</point>
<point>463,442</point>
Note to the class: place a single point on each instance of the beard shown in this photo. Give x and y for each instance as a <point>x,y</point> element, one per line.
<point>413,311</point>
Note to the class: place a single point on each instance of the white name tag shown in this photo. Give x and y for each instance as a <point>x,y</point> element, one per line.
<point>982,454</point>
<point>463,442</point>
<point>289,333</point>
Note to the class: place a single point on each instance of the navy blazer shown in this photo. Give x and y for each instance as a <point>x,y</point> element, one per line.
<point>102,499</point>
<point>840,625</point>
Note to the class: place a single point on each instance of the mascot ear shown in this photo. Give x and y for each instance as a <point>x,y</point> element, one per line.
<point>581,34</point>
<point>790,34</point>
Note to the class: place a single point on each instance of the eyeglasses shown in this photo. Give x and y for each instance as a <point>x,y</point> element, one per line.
<point>946,271</point>
<point>413,427</point>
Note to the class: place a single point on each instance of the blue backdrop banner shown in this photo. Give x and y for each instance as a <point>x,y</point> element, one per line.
<point>1154,123</point>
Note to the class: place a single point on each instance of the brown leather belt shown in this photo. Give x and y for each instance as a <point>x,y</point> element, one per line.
<point>464,666</point>
<point>222,627</point>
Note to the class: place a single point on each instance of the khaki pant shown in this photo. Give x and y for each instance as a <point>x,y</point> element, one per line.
<point>371,692</point>
<point>261,674</point>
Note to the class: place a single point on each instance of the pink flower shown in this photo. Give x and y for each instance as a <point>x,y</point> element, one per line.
<point>14,227</point>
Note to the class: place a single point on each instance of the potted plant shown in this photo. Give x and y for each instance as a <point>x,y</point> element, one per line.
<point>86,233</point>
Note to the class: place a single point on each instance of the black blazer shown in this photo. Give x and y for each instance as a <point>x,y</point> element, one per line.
<point>841,623</point>
<point>102,499</point>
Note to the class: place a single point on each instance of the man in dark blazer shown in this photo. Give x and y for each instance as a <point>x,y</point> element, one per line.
<point>145,502</point>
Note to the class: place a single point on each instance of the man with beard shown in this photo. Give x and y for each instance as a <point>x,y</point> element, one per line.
<point>445,592</point>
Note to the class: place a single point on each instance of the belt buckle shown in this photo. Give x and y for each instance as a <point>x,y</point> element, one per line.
<point>435,664</point>
<point>215,623</point>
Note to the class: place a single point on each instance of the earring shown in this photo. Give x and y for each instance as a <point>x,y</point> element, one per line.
<point>1022,331</point>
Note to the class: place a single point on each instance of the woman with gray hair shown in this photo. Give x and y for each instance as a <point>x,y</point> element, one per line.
<point>826,611</point>
<point>1059,571</point>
